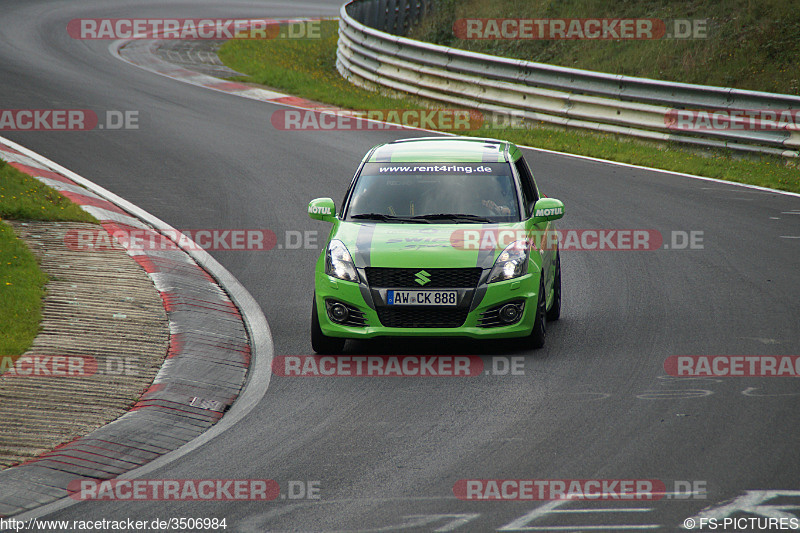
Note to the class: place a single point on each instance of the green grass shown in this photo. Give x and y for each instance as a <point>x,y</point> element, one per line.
<point>21,292</point>
<point>750,44</point>
<point>25,198</point>
<point>303,67</point>
<point>22,283</point>
<point>307,68</point>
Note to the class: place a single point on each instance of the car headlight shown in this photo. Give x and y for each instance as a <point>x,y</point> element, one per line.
<point>338,262</point>
<point>511,263</point>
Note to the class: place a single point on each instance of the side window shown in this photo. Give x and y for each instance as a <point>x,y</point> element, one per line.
<point>529,194</point>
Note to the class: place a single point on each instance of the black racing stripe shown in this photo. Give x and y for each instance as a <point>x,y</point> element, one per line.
<point>361,257</point>
<point>485,261</point>
<point>383,154</point>
<point>486,257</point>
<point>488,156</point>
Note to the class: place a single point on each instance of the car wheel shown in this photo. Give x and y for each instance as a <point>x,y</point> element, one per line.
<point>321,343</point>
<point>554,312</point>
<point>539,331</point>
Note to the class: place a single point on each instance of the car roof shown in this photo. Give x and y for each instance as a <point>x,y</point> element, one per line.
<point>444,150</point>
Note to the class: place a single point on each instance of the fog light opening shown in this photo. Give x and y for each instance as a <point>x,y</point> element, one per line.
<point>509,313</point>
<point>338,312</point>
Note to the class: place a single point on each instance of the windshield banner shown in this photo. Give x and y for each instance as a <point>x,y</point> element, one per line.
<point>490,169</point>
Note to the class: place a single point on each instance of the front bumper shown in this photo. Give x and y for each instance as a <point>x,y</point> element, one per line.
<point>522,290</point>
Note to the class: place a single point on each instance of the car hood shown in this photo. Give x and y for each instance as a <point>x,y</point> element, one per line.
<point>423,245</point>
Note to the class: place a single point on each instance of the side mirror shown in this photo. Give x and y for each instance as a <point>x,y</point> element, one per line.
<point>548,209</point>
<point>322,209</point>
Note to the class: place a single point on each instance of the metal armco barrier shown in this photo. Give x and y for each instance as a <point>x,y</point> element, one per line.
<point>373,53</point>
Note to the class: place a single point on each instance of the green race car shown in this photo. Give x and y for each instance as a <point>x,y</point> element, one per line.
<point>439,236</point>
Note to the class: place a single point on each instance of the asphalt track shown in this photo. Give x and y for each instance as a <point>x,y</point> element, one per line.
<point>595,403</point>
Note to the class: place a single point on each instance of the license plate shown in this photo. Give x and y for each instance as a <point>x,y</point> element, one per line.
<point>422,297</point>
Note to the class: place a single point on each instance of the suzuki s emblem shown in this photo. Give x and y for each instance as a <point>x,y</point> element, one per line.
<point>422,277</point>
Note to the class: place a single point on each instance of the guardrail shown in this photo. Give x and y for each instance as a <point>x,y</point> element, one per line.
<point>373,53</point>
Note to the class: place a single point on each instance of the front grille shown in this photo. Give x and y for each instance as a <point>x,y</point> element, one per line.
<point>405,278</point>
<point>422,317</point>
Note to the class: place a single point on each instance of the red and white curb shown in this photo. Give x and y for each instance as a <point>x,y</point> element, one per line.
<point>141,53</point>
<point>219,358</point>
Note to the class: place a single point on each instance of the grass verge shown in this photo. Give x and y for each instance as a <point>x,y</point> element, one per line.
<point>22,283</point>
<point>307,68</point>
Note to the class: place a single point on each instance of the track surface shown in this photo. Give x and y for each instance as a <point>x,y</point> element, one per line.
<point>590,405</point>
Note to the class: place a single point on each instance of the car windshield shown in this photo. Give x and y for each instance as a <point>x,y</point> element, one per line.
<point>435,192</point>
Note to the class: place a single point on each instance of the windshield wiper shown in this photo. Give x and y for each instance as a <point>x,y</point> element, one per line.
<point>389,218</point>
<point>454,216</point>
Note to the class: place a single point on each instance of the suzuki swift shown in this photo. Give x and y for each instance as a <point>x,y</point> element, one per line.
<point>441,236</point>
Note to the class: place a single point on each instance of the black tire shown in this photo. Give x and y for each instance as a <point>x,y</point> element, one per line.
<point>321,343</point>
<point>539,331</point>
<point>554,313</point>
